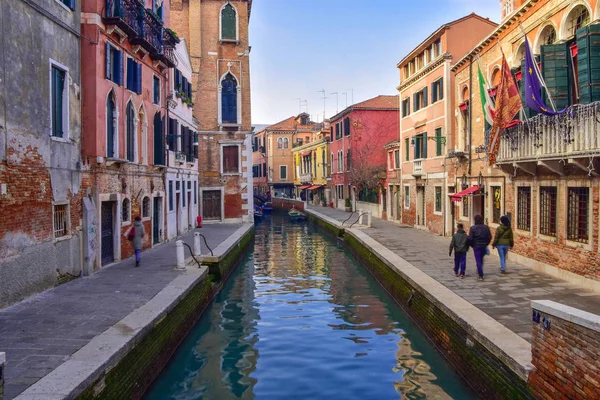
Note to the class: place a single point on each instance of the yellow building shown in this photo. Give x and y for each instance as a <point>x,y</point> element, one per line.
<point>311,168</point>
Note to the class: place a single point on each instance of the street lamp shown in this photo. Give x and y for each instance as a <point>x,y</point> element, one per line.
<point>480,180</point>
<point>464,181</point>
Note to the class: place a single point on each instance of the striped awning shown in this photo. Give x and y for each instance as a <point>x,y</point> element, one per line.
<point>458,196</point>
<point>314,187</point>
<point>304,187</point>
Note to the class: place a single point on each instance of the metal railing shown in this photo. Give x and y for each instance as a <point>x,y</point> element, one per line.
<point>418,167</point>
<point>126,14</point>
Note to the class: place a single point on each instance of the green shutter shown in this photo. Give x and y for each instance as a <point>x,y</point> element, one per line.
<point>424,139</point>
<point>228,25</point>
<point>406,149</point>
<point>438,142</point>
<point>556,69</point>
<point>441,88</point>
<point>425,95</point>
<point>417,150</point>
<point>434,92</point>
<point>588,63</point>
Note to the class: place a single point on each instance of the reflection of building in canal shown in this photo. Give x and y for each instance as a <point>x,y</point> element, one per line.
<point>418,380</point>
<point>233,332</point>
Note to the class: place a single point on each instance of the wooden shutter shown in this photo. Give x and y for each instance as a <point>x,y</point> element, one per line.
<point>438,142</point>
<point>58,84</point>
<point>190,145</point>
<point>588,63</point>
<point>190,90</point>
<point>347,126</point>
<point>195,140</point>
<point>71,4</point>
<point>406,149</point>
<point>138,78</point>
<point>129,81</point>
<point>120,67</point>
<point>425,145</point>
<point>158,147</point>
<point>228,23</point>
<point>415,101</point>
<point>434,92</point>
<point>425,96</point>
<point>108,63</point>
<point>441,88</point>
<point>557,72</point>
<point>172,134</point>
<point>417,148</point>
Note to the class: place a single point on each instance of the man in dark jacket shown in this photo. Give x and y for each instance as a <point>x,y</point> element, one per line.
<point>460,245</point>
<point>479,239</point>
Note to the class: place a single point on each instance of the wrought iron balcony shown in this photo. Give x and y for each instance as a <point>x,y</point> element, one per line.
<point>127,15</point>
<point>552,141</point>
<point>151,35</point>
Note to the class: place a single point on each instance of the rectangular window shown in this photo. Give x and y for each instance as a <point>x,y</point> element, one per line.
<point>406,107</point>
<point>577,214</point>
<point>397,159</point>
<point>134,76</point>
<point>438,199</point>
<point>407,197</point>
<point>195,192</point>
<point>548,208</point>
<point>69,3</point>
<point>420,146</point>
<point>283,172</point>
<point>332,163</point>
<point>231,160</point>
<point>524,208</point>
<point>156,84</point>
<point>114,64</point>
<point>60,214</point>
<point>183,193</point>
<point>338,134</point>
<point>465,206</point>
<point>406,149</point>
<point>496,204</point>
<point>437,90</point>
<point>420,99</point>
<point>438,141</point>
<point>59,102</point>
<point>346,126</point>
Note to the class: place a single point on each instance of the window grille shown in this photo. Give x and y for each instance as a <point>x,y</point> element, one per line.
<point>438,199</point>
<point>548,198</point>
<point>125,210</point>
<point>146,207</point>
<point>577,214</point>
<point>406,196</point>
<point>524,208</point>
<point>61,220</point>
<point>579,17</point>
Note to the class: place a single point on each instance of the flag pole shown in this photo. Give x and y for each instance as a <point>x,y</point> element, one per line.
<point>522,106</point>
<point>538,72</point>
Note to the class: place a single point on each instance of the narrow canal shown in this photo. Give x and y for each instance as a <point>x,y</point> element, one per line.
<point>302,319</point>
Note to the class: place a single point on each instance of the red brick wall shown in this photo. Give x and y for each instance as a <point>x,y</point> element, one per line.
<point>567,360</point>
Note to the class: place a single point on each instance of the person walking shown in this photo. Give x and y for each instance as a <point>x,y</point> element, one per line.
<point>480,237</point>
<point>136,235</point>
<point>503,239</point>
<point>460,245</point>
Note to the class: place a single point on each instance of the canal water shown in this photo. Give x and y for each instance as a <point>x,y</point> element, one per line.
<point>302,319</point>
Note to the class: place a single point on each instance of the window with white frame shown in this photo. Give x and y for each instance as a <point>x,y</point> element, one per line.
<point>126,210</point>
<point>231,159</point>
<point>283,172</point>
<point>228,22</point>
<point>60,219</point>
<point>397,159</point>
<point>438,199</point>
<point>146,207</point>
<point>407,197</point>
<point>59,101</point>
<point>332,163</point>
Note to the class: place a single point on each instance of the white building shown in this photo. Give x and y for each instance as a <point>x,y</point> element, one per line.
<point>182,155</point>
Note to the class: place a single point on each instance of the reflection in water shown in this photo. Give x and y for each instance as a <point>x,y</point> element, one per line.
<point>301,319</point>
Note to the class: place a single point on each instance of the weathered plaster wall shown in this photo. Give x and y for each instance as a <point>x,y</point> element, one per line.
<point>35,169</point>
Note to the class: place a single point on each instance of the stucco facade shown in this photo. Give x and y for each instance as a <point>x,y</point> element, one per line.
<point>219,54</point>
<point>41,184</point>
<point>426,121</point>
<point>312,168</point>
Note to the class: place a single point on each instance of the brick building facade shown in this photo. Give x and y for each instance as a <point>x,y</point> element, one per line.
<point>41,183</point>
<point>217,39</point>
<point>545,177</point>
<point>426,123</point>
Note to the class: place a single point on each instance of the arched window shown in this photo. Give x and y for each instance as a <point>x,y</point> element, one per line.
<point>142,135</point>
<point>146,207</point>
<point>578,18</point>
<point>130,114</point>
<point>280,143</point>
<point>520,56</point>
<point>286,143</point>
<point>229,99</point>
<point>496,77</point>
<point>111,125</point>
<point>465,94</point>
<point>125,210</point>
<point>228,22</point>
<point>548,35</point>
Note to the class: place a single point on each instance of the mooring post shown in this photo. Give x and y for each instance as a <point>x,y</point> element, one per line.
<point>197,248</point>
<point>180,255</point>
<point>360,216</point>
<point>2,362</point>
<point>369,221</point>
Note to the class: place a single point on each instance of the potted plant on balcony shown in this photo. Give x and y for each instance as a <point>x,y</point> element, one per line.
<point>348,204</point>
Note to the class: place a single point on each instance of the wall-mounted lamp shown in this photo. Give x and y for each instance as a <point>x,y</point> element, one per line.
<point>464,181</point>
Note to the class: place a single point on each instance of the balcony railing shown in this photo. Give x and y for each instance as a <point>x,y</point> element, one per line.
<point>180,157</point>
<point>418,167</point>
<point>305,178</point>
<point>127,15</point>
<point>573,134</point>
<point>151,35</point>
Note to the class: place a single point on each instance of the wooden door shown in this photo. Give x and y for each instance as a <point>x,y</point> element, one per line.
<point>107,232</point>
<point>211,205</point>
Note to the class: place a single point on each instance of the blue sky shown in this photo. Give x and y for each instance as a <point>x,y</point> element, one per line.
<point>302,46</point>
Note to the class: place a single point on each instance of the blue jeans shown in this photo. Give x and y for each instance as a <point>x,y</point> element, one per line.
<point>502,252</point>
<point>137,255</point>
<point>460,262</point>
<point>479,254</point>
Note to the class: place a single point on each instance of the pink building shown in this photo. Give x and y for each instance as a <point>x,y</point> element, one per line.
<point>124,81</point>
<point>358,162</point>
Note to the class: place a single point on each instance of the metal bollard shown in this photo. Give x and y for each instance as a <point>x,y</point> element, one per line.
<point>180,255</point>
<point>369,221</point>
<point>197,247</point>
<point>2,372</point>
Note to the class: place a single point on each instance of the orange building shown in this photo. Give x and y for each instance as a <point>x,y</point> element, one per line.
<point>216,33</point>
<point>426,121</point>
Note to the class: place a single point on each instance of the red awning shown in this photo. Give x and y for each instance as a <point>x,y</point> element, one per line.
<point>306,153</point>
<point>304,187</point>
<point>458,196</point>
<point>314,187</point>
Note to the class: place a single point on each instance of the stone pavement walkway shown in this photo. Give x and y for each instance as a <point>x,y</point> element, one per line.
<point>506,298</point>
<point>40,333</point>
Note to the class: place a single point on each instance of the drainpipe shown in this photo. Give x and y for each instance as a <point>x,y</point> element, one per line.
<point>470,111</point>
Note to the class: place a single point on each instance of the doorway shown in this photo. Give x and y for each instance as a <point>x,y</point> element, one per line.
<point>190,211</point>
<point>211,205</point>
<point>156,220</point>
<point>178,213</point>
<point>478,201</point>
<point>107,254</point>
<point>421,205</point>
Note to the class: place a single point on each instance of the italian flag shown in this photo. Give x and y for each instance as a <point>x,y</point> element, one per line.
<point>489,110</point>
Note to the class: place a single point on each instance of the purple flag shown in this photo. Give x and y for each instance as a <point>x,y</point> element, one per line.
<point>534,85</point>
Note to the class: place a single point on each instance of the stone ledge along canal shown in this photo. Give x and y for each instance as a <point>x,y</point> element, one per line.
<point>300,318</point>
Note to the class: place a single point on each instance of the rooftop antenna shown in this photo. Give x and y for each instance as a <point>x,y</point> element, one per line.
<point>305,103</point>
<point>352,101</point>
<point>336,101</point>
<point>346,97</point>
<point>299,102</point>
<point>324,103</point>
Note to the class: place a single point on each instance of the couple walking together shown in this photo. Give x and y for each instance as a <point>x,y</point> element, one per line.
<point>479,239</point>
